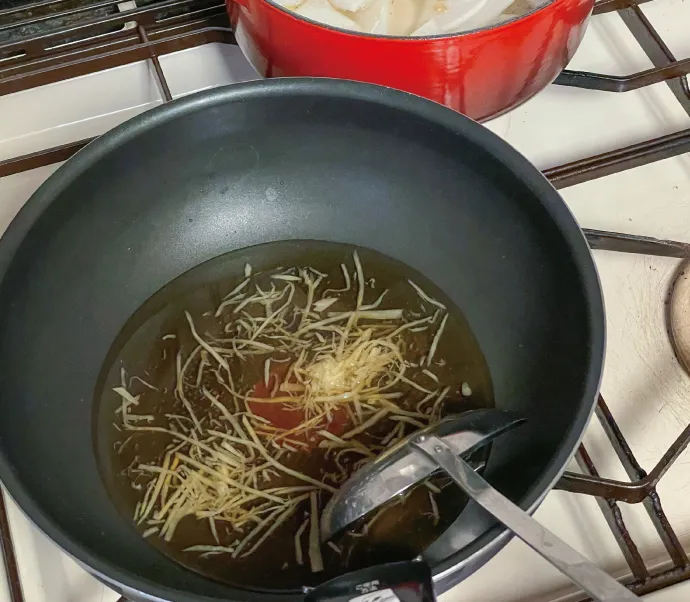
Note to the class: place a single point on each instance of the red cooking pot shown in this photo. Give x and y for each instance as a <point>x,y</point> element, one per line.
<point>480,73</point>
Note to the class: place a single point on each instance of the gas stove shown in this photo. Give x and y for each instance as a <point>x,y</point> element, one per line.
<point>613,134</point>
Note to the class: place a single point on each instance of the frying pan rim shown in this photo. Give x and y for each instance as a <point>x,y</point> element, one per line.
<point>320,88</point>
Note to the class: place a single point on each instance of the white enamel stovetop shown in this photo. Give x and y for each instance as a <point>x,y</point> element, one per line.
<point>644,386</point>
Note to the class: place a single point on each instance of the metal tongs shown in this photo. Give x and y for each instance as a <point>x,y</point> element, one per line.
<point>440,447</point>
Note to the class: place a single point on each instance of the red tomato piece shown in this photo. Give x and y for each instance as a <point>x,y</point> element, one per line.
<point>289,416</point>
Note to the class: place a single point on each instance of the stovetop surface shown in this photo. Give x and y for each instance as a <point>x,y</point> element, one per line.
<point>644,386</point>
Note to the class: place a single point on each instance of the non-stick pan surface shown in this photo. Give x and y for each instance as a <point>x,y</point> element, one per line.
<point>275,160</point>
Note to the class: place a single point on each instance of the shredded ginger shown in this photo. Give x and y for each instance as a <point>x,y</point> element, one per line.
<point>228,465</point>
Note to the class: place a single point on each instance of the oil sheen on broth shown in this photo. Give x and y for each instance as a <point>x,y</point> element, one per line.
<point>229,482</point>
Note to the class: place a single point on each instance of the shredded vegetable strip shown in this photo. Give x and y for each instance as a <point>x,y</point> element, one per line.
<point>320,359</point>
<point>315,557</point>
<point>299,557</point>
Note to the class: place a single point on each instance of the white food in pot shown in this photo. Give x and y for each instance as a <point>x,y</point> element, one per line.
<point>413,18</point>
<point>462,15</point>
<point>390,17</point>
<point>351,5</point>
<point>376,17</point>
<point>323,12</point>
<point>405,15</point>
<point>502,18</point>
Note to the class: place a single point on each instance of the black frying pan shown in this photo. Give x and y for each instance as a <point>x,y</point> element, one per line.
<point>275,160</point>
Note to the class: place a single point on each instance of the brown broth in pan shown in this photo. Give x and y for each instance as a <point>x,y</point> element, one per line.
<point>145,361</point>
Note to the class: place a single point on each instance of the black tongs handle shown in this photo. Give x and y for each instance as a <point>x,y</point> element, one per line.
<point>407,581</point>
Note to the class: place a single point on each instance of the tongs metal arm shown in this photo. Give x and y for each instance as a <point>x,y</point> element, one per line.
<point>633,243</point>
<point>589,577</point>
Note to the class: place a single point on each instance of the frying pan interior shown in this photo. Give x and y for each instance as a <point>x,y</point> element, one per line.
<point>268,161</point>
